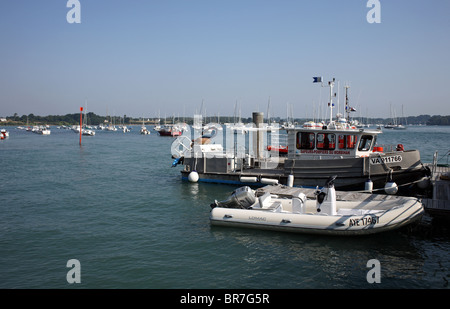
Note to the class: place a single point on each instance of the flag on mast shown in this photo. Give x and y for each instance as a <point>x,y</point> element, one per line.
<point>317,79</point>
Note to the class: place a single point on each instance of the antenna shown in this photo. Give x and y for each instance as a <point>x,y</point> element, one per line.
<point>331,84</point>
<point>347,109</point>
<point>268,111</point>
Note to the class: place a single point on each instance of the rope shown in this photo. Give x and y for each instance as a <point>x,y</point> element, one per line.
<point>382,189</point>
<point>443,156</point>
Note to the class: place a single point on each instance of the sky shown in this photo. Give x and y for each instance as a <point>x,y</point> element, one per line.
<point>173,57</point>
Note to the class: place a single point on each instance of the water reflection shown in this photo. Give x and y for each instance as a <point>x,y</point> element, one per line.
<point>412,257</point>
<point>310,261</point>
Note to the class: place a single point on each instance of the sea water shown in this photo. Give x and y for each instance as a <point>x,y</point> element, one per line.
<point>117,206</point>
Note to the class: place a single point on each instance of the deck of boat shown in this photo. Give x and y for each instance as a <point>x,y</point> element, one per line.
<point>285,191</point>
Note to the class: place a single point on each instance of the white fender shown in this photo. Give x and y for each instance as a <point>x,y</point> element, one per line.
<point>193,176</point>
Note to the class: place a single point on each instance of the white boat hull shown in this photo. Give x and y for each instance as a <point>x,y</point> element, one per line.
<point>351,218</point>
<point>88,132</point>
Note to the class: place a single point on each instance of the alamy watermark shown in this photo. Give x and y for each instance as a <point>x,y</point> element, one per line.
<point>374,274</point>
<point>74,14</point>
<point>374,14</point>
<point>74,274</point>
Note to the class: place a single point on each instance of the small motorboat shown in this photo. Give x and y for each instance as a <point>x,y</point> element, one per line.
<point>88,132</point>
<point>144,130</point>
<point>325,214</point>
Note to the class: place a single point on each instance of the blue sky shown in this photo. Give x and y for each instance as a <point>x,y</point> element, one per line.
<point>144,58</point>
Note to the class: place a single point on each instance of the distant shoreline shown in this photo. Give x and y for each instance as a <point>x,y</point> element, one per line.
<point>93,119</point>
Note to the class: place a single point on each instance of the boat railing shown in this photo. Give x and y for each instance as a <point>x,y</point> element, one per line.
<point>387,147</point>
<point>237,144</point>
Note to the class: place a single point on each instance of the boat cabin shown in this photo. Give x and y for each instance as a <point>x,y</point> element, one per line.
<point>331,142</point>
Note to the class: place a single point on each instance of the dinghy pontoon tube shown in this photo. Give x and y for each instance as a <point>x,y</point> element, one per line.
<point>324,215</point>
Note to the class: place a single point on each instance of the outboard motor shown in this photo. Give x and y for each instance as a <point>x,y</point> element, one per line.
<point>243,197</point>
<point>326,198</point>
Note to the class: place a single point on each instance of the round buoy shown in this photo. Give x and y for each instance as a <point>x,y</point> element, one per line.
<point>193,176</point>
<point>391,187</point>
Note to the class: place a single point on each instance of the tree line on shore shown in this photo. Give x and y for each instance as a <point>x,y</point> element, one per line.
<point>93,119</point>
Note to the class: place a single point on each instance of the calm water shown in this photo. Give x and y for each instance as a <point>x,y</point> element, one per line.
<point>116,205</point>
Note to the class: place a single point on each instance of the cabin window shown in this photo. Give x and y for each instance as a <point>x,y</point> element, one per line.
<point>326,141</point>
<point>347,141</point>
<point>305,140</point>
<point>365,143</point>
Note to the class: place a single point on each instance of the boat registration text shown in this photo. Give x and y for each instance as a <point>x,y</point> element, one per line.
<point>370,220</point>
<point>390,159</point>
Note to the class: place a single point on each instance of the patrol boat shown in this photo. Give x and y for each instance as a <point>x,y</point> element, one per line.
<point>314,151</point>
